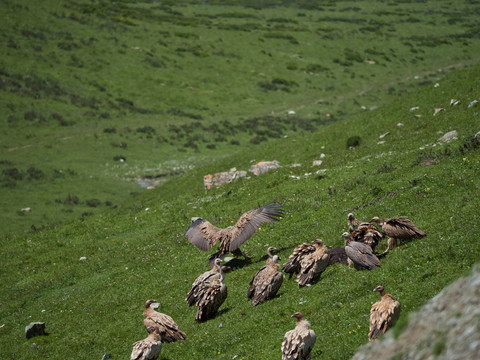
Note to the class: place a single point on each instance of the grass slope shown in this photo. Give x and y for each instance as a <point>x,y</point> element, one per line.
<point>168,86</point>
<point>137,251</point>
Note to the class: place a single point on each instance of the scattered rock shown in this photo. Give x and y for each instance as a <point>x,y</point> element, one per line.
<point>414,108</point>
<point>27,209</point>
<point>107,356</point>
<point>472,103</point>
<point>295,165</point>
<point>35,329</point>
<point>321,171</point>
<point>436,85</point>
<point>401,124</point>
<point>222,178</point>
<point>263,166</point>
<point>83,258</point>
<point>454,102</point>
<point>437,110</point>
<point>317,162</point>
<point>291,112</point>
<point>381,142</point>
<point>383,135</point>
<point>449,136</point>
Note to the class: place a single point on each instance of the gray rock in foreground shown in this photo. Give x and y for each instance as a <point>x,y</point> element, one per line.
<point>447,327</point>
<point>35,329</point>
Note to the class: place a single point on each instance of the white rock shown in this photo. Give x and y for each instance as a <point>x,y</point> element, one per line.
<point>414,108</point>
<point>400,124</point>
<point>437,110</point>
<point>436,85</point>
<point>317,162</point>
<point>472,103</point>
<point>449,136</point>
<point>383,135</point>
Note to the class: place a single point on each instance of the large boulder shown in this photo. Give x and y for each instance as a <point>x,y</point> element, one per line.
<point>445,328</point>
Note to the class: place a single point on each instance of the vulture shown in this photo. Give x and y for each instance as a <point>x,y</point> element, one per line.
<point>308,262</point>
<point>368,234</point>
<point>204,235</point>
<point>148,348</point>
<point>204,280</point>
<point>337,255</point>
<point>383,315</point>
<point>360,254</point>
<point>353,223</point>
<point>267,280</point>
<point>167,327</point>
<point>208,300</point>
<point>398,228</point>
<point>298,343</point>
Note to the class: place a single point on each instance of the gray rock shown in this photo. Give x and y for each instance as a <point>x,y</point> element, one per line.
<point>449,136</point>
<point>35,329</point>
<point>107,356</point>
<point>445,328</point>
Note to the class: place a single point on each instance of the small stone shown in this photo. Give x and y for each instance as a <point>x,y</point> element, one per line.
<point>437,110</point>
<point>317,162</point>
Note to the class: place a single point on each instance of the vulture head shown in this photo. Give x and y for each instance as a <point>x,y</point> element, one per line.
<point>298,316</point>
<point>317,241</point>
<point>379,289</point>
<point>270,251</point>
<point>149,302</point>
<point>346,237</point>
<point>375,219</point>
<point>351,217</point>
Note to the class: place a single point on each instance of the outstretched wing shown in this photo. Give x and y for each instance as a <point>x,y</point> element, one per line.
<point>250,221</point>
<point>202,234</point>
<point>402,228</point>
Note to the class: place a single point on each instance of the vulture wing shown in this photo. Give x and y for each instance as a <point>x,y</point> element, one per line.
<point>265,284</point>
<point>201,283</point>
<point>203,234</point>
<point>210,301</point>
<point>383,315</point>
<point>250,221</point>
<point>298,344</point>
<point>402,228</point>
<point>337,255</point>
<point>312,266</point>
<point>146,349</point>
<point>167,327</point>
<point>292,266</point>
<point>362,255</point>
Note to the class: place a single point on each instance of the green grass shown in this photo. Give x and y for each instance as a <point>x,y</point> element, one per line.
<point>170,87</point>
<point>133,241</point>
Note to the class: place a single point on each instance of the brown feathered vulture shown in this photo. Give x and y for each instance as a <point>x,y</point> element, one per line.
<point>399,228</point>
<point>204,235</point>
<point>148,348</point>
<point>383,315</point>
<point>368,234</point>
<point>308,261</point>
<point>167,327</point>
<point>354,223</point>
<point>267,280</point>
<point>298,343</point>
<point>360,254</point>
<point>208,300</point>
<point>204,280</point>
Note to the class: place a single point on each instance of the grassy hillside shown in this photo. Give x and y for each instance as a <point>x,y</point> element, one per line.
<point>137,251</point>
<point>99,97</point>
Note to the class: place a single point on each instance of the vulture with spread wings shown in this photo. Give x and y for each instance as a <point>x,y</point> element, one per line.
<point>383,315</point>
<point>398,228</point>
<point>204,235</point>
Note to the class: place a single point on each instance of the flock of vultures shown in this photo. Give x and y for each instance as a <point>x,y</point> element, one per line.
<point>307,262</point>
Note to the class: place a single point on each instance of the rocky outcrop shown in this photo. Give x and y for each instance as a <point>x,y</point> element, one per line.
<point>445,328</point>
